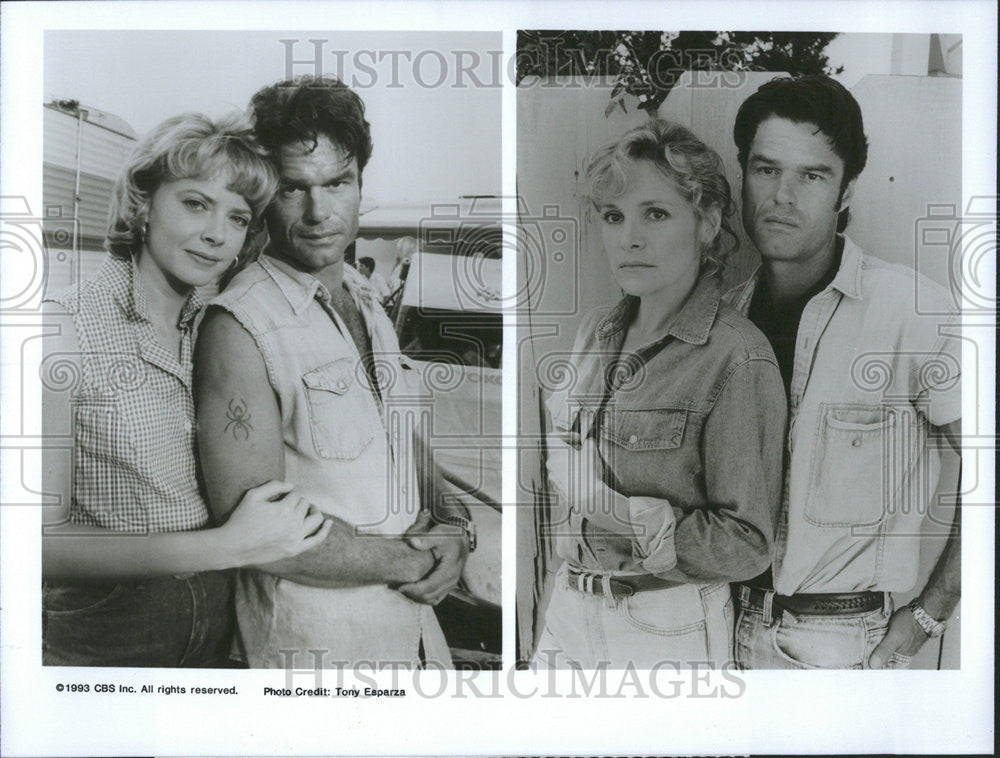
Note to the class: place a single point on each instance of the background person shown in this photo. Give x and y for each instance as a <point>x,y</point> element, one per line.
<point>666,456</point>
<point>366,265</point>
<point>133,575</point>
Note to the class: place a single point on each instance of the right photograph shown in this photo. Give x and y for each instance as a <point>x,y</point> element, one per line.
<point>739,347</point>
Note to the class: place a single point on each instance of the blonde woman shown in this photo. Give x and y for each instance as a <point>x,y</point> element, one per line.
<point>666,452</point>
<point>134,573</point>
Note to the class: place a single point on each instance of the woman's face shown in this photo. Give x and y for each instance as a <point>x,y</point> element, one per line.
<point>197,227</point>
<point>651,235</point>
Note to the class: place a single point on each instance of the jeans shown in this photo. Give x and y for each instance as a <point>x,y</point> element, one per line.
<point>675,627</point>
<point>807,641</point>
<point>171,621</point>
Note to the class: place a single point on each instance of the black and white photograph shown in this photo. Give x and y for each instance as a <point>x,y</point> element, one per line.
<point>748,390</point>
<point>273,355</point>
<point>423,377</point>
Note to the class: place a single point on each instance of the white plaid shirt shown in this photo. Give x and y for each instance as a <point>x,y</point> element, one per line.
<point>134,467</point>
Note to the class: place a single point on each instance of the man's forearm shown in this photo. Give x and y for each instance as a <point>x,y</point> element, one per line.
<point>944,586</point>
<point>349,559</point>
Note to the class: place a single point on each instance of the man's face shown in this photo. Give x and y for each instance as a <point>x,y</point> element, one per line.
<point>791,191</point>
<point>314,216</point>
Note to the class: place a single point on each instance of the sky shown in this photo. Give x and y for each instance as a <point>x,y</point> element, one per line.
<point>432,98</point>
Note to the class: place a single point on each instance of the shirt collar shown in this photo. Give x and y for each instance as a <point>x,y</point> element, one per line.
<point>691,324</point>
<point>848,278</point>
<point>133,300</point>
<point>298,287</point>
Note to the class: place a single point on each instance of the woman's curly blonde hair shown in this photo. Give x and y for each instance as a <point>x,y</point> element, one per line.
<point>693,166</point>
<point>182,147</point>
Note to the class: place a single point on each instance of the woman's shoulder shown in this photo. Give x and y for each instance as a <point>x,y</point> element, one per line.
<point>739,335</point>
<point>96,295</point>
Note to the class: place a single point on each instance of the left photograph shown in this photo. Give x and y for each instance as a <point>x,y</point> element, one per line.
<point>271,373</point>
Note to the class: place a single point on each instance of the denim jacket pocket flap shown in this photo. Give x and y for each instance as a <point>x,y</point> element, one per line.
<point>645,429</point>
<point>341,415</point>
<point>856,419</point>
<point>334,377</point>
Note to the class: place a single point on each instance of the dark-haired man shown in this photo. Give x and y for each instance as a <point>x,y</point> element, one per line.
<point>873,390</point>
<point>298,378</point>
<point>366,265</point>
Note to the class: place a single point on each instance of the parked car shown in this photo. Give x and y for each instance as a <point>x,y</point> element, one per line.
<point>448,319</point>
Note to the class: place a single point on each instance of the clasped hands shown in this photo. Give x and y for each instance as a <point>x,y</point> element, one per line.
<point>449,546</point>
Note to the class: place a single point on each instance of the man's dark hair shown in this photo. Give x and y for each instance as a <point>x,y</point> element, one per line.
<point>301,109</point>
<point>814,99</point>
<point>367,261</point>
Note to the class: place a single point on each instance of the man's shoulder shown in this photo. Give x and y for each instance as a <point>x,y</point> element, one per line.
<point>901,289</point>
<point>251,282</point>
<point>255,299</point>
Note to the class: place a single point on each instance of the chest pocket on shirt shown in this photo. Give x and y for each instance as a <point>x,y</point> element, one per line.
<point>341,426</point>
<point>854,472</point>
<point>645,429</point>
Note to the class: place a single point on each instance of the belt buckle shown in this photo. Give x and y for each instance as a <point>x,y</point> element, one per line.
<point>585,582</point>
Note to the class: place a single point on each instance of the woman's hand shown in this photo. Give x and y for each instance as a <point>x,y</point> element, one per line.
<point>272,522</point>
<point>576,470</point>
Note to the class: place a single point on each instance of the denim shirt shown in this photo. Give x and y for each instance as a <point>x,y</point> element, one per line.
<point>346,450</point>
<point>877,366</point>
<point>694,434</point>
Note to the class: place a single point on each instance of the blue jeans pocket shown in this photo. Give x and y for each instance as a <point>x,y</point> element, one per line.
<point>162,622</point>
<point>825,642</point>
<point>62,599</point>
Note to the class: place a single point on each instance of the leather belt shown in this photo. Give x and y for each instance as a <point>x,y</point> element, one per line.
<point>595,583</point>
<point>819,604</point>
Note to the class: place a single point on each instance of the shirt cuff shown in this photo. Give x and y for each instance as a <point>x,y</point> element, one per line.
<point>653,525</point>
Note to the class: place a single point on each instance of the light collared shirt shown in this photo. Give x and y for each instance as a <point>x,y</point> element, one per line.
<point>692,436</point>
<point>346,449</point>
<point>873,375</point>
<point>134,467</point>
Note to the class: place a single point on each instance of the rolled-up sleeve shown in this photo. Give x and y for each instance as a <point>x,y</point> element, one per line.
<point>936,375</point>
<point>731,537</point>
<point>653,524</point>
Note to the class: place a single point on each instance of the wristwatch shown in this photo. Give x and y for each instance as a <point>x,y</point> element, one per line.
<point>931,626</point>
<point>466,525</point>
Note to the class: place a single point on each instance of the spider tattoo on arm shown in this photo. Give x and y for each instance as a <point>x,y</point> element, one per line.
<point>239,419</point>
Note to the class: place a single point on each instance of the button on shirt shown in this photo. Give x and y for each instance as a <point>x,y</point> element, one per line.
<point>134,466</point>
<point>692,436</point>
<point>872,375</point>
